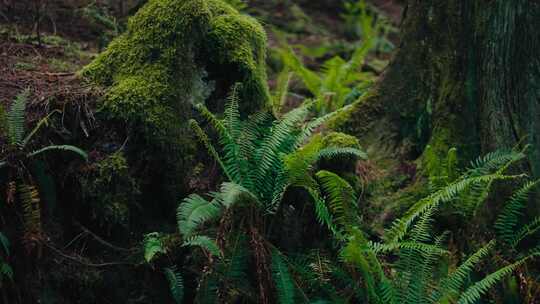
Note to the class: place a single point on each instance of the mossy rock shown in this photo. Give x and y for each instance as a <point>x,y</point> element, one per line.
<point>175,53</point>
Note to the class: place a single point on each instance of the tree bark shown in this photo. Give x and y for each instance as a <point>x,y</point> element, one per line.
<point>467,74</point>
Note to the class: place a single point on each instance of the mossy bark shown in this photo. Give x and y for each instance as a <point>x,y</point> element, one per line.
<point>467,74</point>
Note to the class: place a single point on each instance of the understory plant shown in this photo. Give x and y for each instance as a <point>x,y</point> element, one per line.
<point>420,270</point>
<point>233,225</point>
<point>17,157</point>
<point>339,81</point>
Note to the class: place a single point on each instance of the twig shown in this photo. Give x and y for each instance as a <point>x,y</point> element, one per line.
<point>100,240</point>
<point>78,260</point>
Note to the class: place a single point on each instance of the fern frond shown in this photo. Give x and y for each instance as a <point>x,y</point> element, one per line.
<point>43,122</point>
<point>311,80</point>
<point>527,230</point>
<point>497,161</point>
<point>336,152</point>
<point>282,279</point>
<point>431,202</point>
<point>281,91</point>
<point>509,217</point>
<point>205,243</point>
<point>451,287</point>
<point>233,193</point>
<point>340,197</point>
<point>29,197</point>
<point>380,248</point>
<point>5,271</point>
<point>4,241</point>
<point>176,284</point>
<point>269,157</point>
<point>313,124</point>
<point>16,118</point>
<point>152,246</point>
<point>69,148</point>
<point>206,142</point>
<point>475,292</point>
<point>321,211</point>
<point>195,211</point>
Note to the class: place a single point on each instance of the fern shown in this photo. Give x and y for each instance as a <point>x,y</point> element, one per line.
<point>527,229</point>
<point>4,241</point>
<point>205,243</point>
<point>431,202</point>
<point>282,279</point>
<point>60,148</point>
<point>195,211</point>
<point>16,118</point>
<point>341,198</point>
<point>30,201</point>
<point>176,284</point>
<point>475,292</point>
<point>508,219</point>
<point>450,288</point>
<point>152,246</point>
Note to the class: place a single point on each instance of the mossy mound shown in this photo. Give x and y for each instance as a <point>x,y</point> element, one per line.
<point>175,53</point>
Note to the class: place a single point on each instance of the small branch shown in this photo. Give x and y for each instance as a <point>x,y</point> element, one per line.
<point>100,240</point>
<point>80,261</point>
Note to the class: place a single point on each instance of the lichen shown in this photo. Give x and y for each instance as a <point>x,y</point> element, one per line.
<point>149,70</point>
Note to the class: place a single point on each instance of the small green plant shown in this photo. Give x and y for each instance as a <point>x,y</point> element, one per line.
<point>254,156</point>
<point>99,17</point>
<point>338,83</point>
<point>6,272</point>
<point>363,20</point>
<point>16,156</point>
<point>25,66</point>
<point>239,5</point>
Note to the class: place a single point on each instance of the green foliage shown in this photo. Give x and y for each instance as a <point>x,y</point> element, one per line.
<point>508,220</point>
<point>261,157</point>
<point>17,157</point>
<point>176,284</point>
<point>363,21</point>
<point>282,278</point>
<point>468,191</point>
<point>6,272</point>
<point>152,246</point>
<point>337,84</point>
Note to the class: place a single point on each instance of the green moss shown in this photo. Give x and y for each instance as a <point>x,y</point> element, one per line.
<point>110,191</point>
<point>341,140</point>
<point>155,67</point>
<point>355,118</point>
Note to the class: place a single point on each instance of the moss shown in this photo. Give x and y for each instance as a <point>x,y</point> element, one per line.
<point>110,191</point>
<point>341,140</point>
<point>152,70</point>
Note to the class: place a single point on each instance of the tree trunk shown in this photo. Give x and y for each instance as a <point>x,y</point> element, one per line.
<point>467,74</point>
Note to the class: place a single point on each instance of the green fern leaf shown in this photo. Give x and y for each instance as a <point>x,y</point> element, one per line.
<point>282,279</point>
<point>195,211</point>
<point>205,243</point>
<point>176,284</point>
<point>152,246</point>
<point>69,148</point>
<point>475,292</point>
<point>508,219</point>
<point>16,118</point>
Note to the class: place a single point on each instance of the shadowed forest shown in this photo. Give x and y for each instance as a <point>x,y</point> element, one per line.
<point>269,151</point>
